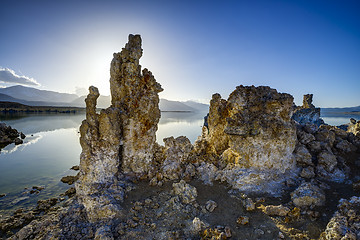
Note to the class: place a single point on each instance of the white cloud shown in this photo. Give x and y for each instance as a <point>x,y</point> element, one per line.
<point>9,76</point>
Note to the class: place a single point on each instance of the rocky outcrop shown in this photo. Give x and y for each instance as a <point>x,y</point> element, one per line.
<point>319,151</point>
<point>354,127</point>
<point>9,135</point>
<point>308,195</point>
<point>307,113</point>
<point>345,222</point>
<point>251,130</point>
<point>121,138</point>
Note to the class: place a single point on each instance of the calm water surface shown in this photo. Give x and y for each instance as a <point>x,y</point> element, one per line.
<point>52,147</point>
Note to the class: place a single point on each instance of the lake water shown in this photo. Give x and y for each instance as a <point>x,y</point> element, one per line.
<point>51,148</point>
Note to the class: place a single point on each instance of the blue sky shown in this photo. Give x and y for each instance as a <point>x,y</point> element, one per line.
<point>193,48</point>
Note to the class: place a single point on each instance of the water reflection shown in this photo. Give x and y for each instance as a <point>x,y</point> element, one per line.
<point>338,119</point>
<point>13,148</point>
<point>176,124</point>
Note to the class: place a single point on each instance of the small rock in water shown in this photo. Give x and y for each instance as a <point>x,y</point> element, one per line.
<point>70,192</point>
<point>75,168</point>
<point>18,141</point>
<point>210,205</point>
<point>2,195</point>
<point>20,199</point>
<point>39,188</point>
<point>69,179</point>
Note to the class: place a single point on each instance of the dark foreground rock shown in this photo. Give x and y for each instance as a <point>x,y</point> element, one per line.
<point>9,135</point>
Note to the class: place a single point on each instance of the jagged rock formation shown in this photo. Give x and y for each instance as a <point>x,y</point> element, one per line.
<point>319,151</point>
<point>135,94</point>
<point>253,128</point>
<point>345,222</point>
<point>121,139</point>
<point>307,113</point>
<point>354,127</point>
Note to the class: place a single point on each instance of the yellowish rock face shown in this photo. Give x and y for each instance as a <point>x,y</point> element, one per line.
<point>121,139</point>
<point>253,128</point>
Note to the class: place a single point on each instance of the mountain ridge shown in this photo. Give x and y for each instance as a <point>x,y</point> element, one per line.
<point>36,97</point>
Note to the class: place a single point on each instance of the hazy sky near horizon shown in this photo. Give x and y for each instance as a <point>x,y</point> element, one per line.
<point>193,48</point>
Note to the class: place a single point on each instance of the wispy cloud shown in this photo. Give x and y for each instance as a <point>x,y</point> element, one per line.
<point>9,76</point>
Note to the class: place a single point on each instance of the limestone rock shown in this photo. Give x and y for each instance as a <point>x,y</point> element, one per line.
<point>354,127</point>
<point>253,128</point>
<point>121,138</point>
<point>307,172</point>
<point>186,192</point>
<point>208,172</point>
<point>345,146</point>
<point>345,222</point>
<point>308,195</point>
<point>243,220</point>
<point>210,205</point>
<point>305,137</point>
<point>176,154</point>
<point>307,113</point>
<point>328,160</point>
<point>303,156</point>
<point>197,225</point>
<point>325,135</point>
<point>218,112</point>
<point>278,210</point>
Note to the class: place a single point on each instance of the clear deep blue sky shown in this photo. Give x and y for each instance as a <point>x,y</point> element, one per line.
<point>194,48</point>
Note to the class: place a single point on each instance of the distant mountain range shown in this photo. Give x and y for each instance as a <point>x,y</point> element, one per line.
<point>35,97</point>
<point>345,109</point>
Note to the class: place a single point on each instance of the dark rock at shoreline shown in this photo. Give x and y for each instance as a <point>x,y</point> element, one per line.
<point>9,135</point>
<point>43,205</point>
<point>69,179</point>
<point>75,168</point>
<point>2,195</point>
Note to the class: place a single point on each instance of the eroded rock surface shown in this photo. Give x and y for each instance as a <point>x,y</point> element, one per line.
<point>251,130</point>
<point>307,113</point>
<point>345,222</point>
<point>121,138</point>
